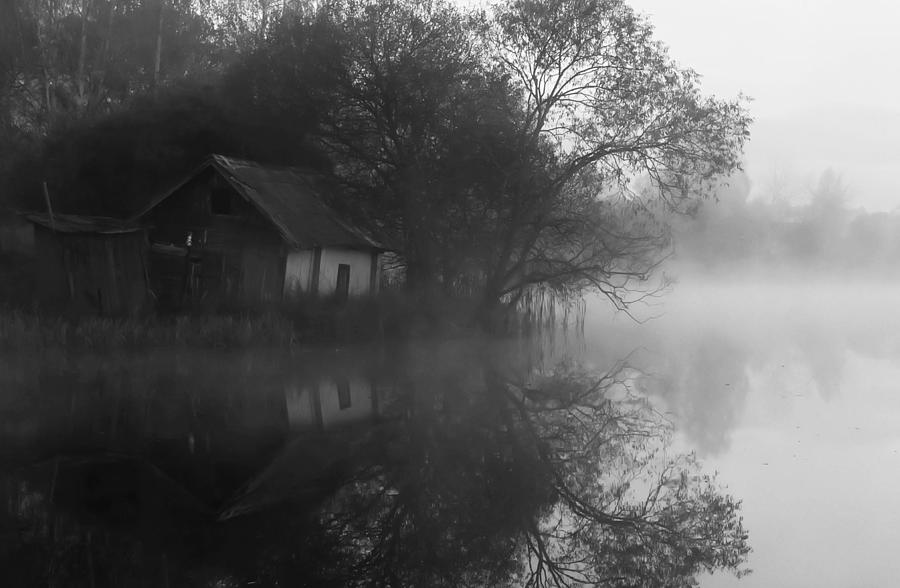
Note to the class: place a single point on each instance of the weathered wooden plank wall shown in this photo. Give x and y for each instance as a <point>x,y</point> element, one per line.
<point>90,272</point>
<point>234,259</point>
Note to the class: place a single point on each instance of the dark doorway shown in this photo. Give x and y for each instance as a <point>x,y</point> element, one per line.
<point>343,282</point>
<point>343,387</point>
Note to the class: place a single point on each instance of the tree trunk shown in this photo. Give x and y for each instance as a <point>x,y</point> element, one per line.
<point>420,278</point>
<point>154,87</point>
<point>103,61</point>
<point>264,20</point>
<point>490,315</point>
<point>47,101</point>
<point>45,67</point>
<point>82,51</point>
<point>109,28</point>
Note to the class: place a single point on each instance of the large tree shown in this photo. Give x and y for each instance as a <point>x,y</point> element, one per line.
<point>503,152</point>
<point>411,113</point>
<point>602,93</point>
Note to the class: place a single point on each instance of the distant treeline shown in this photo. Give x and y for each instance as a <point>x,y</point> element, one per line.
<point>823,234</point>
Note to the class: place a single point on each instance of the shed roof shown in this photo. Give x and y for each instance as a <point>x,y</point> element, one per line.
<point>74,223</point>
<point>288,197</point>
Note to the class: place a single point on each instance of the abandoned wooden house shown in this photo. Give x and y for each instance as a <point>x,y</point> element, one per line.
<point>237,233</point>
<point>89,264</point>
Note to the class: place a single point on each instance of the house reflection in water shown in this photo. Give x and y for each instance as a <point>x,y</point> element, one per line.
<point>327,402</point>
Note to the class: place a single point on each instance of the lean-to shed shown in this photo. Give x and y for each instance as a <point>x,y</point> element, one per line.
<point>89,264</point>
<point>237,232</point>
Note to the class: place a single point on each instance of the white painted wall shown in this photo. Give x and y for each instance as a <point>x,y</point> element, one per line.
<point>301,409</point>
<point>360,401</point>
<point>360,263</point>
<point>300,400</point>
<point>298,272</point>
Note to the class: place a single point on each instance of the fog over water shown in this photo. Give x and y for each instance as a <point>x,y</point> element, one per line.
<point>789,390</point>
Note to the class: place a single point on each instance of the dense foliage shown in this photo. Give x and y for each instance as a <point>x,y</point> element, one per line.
<point>527,146</point>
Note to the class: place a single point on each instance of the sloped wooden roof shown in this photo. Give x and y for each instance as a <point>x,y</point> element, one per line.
<point>288,197</point>
<point>73,223</point>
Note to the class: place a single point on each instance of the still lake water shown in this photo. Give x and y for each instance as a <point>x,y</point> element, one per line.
<point>792,393</point>
<point>124,470</point>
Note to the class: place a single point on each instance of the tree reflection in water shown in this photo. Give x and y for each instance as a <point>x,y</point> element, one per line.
<point>477,476</point>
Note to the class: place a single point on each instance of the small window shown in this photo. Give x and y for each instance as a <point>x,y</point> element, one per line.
<point>343,282</point>
<point>343,388</point>
<point>220,201</point>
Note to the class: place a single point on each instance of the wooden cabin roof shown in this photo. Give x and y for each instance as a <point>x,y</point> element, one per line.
<point>73,223</point>
<point>288,197</point>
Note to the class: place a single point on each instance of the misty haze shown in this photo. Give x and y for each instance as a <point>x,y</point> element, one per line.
<point>408,294</point>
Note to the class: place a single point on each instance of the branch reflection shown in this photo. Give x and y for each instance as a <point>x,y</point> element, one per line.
<point>476,471</point>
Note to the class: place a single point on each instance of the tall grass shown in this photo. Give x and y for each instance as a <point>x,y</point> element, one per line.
<point>391,315</point>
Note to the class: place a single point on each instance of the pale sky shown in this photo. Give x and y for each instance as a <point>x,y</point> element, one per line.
<point>824,79</point>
